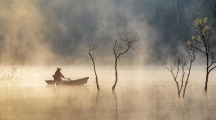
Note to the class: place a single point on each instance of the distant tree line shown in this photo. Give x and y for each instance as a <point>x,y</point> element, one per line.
<point>172,20</point>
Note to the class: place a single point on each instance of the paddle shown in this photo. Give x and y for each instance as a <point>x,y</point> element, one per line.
<point>68,79</point>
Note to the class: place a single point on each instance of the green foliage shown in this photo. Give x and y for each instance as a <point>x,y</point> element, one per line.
<point>203,28</point>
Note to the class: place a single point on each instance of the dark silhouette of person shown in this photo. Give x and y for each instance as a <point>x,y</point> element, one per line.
<point>58,75</point>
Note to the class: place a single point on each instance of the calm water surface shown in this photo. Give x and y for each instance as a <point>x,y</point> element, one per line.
<point>141,94</point>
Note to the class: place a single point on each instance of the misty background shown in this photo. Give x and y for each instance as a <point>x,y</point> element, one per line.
<point>56,32</point>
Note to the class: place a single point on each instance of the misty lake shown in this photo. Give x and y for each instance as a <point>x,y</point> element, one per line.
<point>147,93</point>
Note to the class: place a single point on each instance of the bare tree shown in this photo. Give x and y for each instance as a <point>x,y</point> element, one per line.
<point>175,66</point>
<point>204,42</point>
<point>181,64</point>
<point>91,48</point>
<point>123,43</point>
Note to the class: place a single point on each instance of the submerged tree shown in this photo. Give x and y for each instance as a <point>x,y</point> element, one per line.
<point>123,43</point>
<point>204,42</point>
<point>91,48</point>
<point>178,65</point>
<point>175,66</point>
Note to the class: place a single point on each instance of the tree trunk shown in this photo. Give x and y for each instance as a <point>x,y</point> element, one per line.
<point>206,83</point>
<point>187,79</point>
<point>96,78</point>
<point>185,88</point>
<point>179,93</point>
<point>96,75</point>
<point>177,88</point>
<point>116,74</point>
<point>94,70</point>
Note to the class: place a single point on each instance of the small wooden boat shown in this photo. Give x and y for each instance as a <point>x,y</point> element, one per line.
<point>81,81</point>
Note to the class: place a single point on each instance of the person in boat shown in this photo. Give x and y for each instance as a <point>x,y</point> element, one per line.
<point>58,75</point>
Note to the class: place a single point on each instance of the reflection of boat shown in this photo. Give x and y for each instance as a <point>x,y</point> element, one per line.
<point>81,81</point>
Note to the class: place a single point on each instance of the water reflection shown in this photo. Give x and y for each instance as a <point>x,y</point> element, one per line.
<point>207,107</point>
<point>116,100</point>
<point>87,103</point>
<point>95,113</point>
<point>136,98</point>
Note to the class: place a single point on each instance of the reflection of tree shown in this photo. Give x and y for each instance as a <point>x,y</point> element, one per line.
<point>207,108</point>
<point>116,104</point>
<point>96,104</point>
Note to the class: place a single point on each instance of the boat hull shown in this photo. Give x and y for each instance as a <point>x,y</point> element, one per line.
<point>81,81</point>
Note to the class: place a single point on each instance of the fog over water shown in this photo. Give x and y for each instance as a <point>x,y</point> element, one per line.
<point>38,36</point>
<point>141,93</point>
